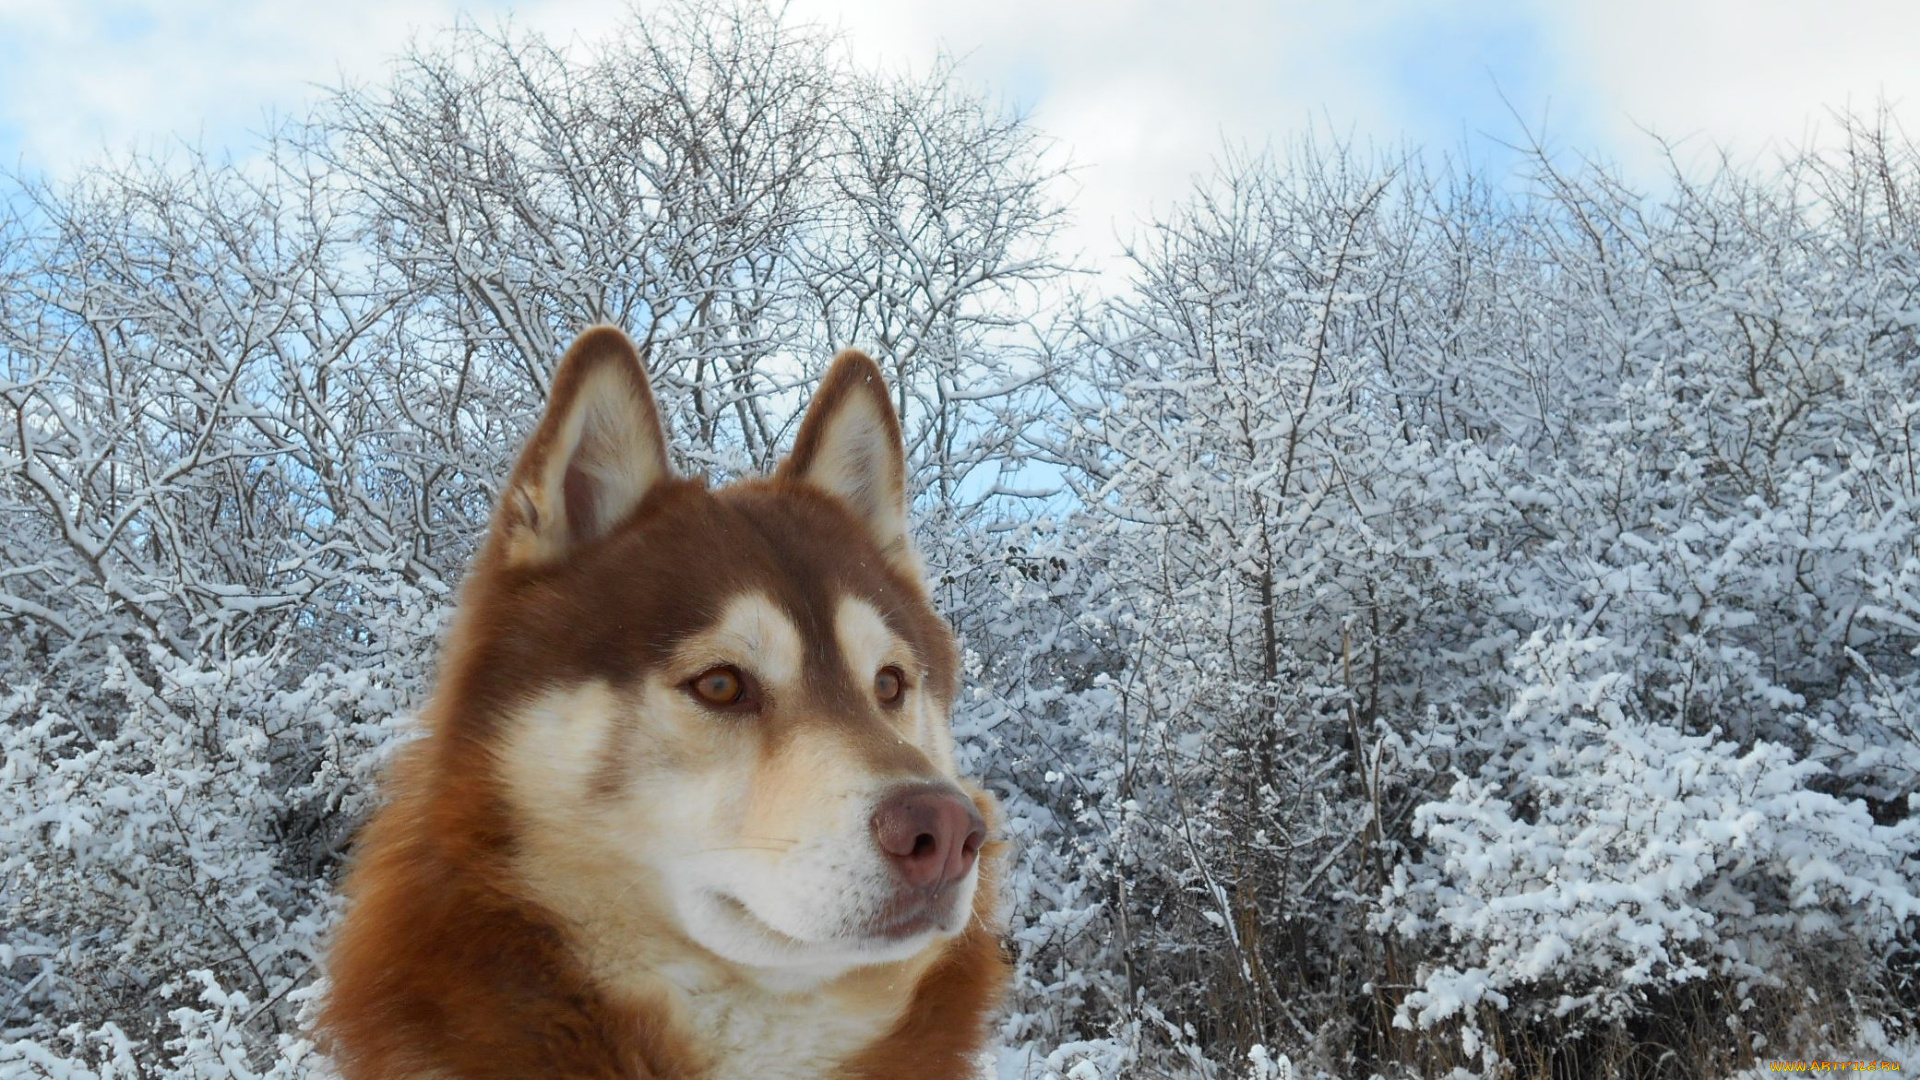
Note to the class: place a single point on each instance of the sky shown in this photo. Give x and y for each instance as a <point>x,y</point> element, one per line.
<point>1142,96</point>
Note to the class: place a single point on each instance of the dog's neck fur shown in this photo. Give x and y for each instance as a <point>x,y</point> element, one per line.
<point>440,977</point>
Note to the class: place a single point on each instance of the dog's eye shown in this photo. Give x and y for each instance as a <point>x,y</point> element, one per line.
<point>720,686</point>
<point>889,684</point>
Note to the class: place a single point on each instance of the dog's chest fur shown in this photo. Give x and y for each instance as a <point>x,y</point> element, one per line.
<point>759,1034</point>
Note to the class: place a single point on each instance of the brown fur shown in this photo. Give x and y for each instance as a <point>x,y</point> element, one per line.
<point>445,967</point>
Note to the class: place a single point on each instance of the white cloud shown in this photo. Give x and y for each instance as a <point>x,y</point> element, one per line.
<point>1753,75</point>
<point>1141,93</point>
<point>80,77</point>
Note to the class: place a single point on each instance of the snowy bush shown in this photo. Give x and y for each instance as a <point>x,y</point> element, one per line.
<point>1611,858</point>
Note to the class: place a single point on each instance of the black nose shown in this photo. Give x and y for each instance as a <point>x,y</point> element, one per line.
<point>930,833</point>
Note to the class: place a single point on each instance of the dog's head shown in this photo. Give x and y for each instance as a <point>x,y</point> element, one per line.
<point>730,706</point>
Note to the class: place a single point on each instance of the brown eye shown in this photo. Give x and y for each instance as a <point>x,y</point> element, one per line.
<point>888,685</point>
<point>720,686</point>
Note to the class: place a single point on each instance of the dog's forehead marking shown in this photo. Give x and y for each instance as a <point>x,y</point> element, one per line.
<point>753,628</point>
<point>867,643</point>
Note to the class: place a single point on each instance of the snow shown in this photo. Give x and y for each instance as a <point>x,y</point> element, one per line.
<point>1465,623</point>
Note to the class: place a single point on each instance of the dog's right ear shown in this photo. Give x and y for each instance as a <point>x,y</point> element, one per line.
<point>598,450</point>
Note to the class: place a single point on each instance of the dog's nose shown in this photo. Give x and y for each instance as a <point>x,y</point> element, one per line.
<point>930,832</point>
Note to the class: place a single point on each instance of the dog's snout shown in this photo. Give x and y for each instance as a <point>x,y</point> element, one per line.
<point>930,833</point>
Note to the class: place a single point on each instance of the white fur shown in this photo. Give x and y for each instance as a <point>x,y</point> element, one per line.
<point>756,636</point>
<point>856,462</point>
<point>760,1034</point>
<point>867,643</point>
<point>617,446</point>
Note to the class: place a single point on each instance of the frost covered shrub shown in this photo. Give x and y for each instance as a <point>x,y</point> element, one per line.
<point>181,856</point>
<point>1613,858</point>
<point>1036,724</point>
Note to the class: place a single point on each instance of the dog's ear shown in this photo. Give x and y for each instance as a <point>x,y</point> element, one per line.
<point>597,452</point>
<point>849,446</point>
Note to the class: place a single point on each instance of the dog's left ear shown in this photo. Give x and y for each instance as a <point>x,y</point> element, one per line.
<point>849,446</point>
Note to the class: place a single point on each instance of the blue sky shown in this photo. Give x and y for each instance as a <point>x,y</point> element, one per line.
<point>1141,94</point>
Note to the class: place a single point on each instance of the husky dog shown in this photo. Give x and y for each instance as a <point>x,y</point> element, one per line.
<point>687,807</point>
